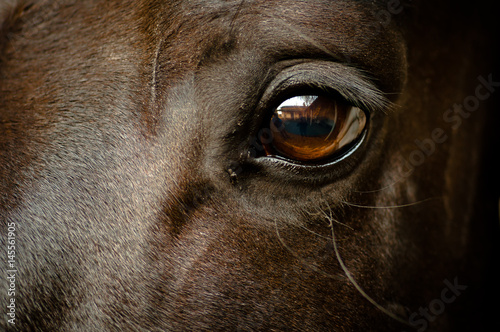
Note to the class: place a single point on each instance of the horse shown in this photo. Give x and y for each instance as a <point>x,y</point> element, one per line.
<point>155,175</point>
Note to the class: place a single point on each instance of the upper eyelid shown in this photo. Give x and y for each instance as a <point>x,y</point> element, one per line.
<point>351,83</point>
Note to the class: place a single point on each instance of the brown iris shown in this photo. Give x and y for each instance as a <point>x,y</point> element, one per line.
<point>312,128</point>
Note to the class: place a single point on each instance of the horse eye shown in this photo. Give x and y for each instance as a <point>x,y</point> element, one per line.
<point>313,128</point>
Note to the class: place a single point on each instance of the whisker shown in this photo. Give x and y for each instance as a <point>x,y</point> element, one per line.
<point>390,206</point>
<point>313,232</point>
<point>322,213</point>
<point>303,261</point>
<point>313,214</point>
<point>330,217</point>
<point>357,286</point>
<point>400,179</point>
<point>380,189</point>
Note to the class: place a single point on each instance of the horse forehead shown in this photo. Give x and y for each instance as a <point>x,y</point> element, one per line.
<point>335,22</point>
<point>344,31</point>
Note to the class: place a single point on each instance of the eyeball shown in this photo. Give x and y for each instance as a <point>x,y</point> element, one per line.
<point>314,128</point>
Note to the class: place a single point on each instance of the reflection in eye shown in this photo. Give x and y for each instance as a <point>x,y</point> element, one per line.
<point>311,128</point>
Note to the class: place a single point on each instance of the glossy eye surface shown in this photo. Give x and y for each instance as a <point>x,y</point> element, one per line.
<point>311,128</point>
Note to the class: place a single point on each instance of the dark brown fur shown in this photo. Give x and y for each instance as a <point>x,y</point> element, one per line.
<point>126,164</point>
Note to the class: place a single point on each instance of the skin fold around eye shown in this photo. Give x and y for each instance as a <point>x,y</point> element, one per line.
<point>311,128</point>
